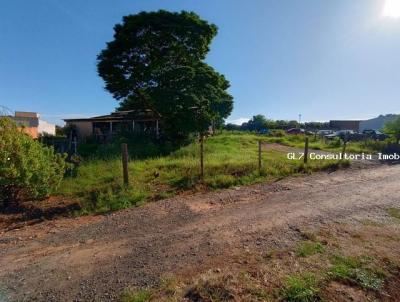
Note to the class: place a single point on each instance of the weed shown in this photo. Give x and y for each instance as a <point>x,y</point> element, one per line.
<point>251,286</point>
<point>356,270</point>
<point>394,212</point>
<point>308,248</point>
<point>302,288</point>
<point>309,235</point>
<point>170,286</point>
<point>211,290</point>
<point>136,296</point>
<point>368,279</point>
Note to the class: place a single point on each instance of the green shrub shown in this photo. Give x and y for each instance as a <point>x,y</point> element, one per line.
<point>28,170</point>
<point>140,147</point>
<point>301,289</point>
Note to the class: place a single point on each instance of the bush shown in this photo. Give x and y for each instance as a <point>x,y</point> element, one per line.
<point>28,170</point>
<point>140,147</point>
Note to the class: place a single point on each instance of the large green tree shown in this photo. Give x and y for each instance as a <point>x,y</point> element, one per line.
<point>156,61</point>
<point>257,123</point>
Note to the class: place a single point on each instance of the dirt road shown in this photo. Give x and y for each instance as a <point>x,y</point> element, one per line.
<point>95,258</point>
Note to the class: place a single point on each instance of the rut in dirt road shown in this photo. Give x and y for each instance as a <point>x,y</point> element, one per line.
<point>74,261</point>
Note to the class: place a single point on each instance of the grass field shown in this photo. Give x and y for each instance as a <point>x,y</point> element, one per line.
<point>230,160</point>
<point>335,145</point>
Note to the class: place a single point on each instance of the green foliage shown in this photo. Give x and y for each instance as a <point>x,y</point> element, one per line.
<point>393,128</point>
<point>301,289</point>
<point>28,170</point>
<point>308,248</point>
<point>230,160</point>
<point>139,147</point>
<point>156,62</point>
<point>368,279</point>
<point>136,296</point>
<point>257,123</point>
<point>316,143</point>
<point>112,199</point>
<point>356,270</point>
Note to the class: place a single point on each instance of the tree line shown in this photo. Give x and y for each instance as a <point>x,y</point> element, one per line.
<point>260,123</point>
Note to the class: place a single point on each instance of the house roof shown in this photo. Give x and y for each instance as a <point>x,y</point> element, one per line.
<point>145,114</point>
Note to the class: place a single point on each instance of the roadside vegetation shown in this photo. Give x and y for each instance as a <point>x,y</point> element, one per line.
<point>338,265</point>
<point>334,145</point>
<point>28,170</point>
<point>231,159</point>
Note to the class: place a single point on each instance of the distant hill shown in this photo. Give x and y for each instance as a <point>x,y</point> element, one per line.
<point>378,122</point>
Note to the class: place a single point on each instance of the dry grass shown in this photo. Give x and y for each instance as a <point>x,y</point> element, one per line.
<point>344,268</point>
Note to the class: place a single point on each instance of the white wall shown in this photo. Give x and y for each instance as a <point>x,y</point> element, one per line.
<point>45,127</point>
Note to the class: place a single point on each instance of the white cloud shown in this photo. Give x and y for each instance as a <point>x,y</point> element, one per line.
<point>238,121</point>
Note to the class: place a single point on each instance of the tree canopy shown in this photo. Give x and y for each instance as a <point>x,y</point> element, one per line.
<point>156,62</point>
<point>393,128</point>
<point>257,123</point>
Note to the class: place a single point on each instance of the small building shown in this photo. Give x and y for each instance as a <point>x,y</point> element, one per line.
<point>345,125</point>
<point>105,126</point>
<point>32,125</point>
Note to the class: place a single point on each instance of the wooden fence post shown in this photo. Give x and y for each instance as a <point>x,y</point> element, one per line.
<point>306,150</point>
<point>344,149</point>
<point>259,156</point>
<point>125,163</point>
<point>75,143</point>
<point>201,155</point>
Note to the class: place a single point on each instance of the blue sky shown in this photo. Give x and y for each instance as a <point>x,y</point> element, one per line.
<point>337,59</point>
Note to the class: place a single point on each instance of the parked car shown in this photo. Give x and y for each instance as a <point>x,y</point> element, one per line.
<point>295,131</point>
<point>342,134</point>
<point>324,132</point>
<point>375,134</point>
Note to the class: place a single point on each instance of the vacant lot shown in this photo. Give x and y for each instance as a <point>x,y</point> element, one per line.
<point>231,159</point>
<point>332,236</point>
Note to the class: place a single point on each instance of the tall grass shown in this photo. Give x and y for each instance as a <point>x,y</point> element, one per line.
<point>334,145</point>
<point>230,160</point>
